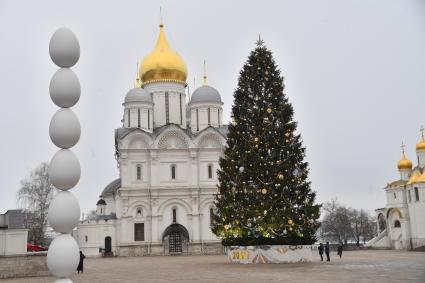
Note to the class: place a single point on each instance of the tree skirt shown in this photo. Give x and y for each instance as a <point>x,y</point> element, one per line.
<point>269,254</point>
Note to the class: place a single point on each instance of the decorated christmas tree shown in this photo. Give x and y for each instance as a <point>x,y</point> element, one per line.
<point>264,196</point>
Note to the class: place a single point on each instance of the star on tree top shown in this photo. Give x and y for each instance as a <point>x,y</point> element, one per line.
<point>259,42</point>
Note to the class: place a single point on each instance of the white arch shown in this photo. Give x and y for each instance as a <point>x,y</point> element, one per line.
<point>171,202</point>
<point>135,205</point>
<point>137,140</point>
<point>210,138</point>
<point>207,202</point>
<point>181,137</point>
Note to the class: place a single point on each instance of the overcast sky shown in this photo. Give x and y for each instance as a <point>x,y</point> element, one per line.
<point>354,71</point>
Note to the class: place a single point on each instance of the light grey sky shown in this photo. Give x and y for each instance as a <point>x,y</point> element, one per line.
<point>354,71</point>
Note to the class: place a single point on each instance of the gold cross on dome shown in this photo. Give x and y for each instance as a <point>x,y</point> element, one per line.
<point>422,131</point>
<point>402,147</point>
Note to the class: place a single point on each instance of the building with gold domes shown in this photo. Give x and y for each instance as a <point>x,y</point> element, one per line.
<point>401,224</point>
<point>167,151</point>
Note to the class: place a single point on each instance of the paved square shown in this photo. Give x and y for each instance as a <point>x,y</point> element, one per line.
<point>355,266</point>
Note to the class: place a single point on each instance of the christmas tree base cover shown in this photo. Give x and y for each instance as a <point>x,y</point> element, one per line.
<point>269,254</point>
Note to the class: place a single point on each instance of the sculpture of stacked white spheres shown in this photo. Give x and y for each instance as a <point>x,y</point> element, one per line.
<point>64,170</point>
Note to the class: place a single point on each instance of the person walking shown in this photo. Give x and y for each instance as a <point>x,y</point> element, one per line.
<point>327,251</point>
<point>340,250</point>
<point>81,263</point>
<point>320,248</point>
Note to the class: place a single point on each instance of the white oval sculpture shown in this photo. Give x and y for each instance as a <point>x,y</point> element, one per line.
<point>63,256</point>
<point>65,89</point>
<point>64,212</point>
<point>64,170</point>
<point>64,128</point>
<point>64,48</point>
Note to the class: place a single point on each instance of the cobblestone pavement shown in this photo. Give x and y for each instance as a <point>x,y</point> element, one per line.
<point>355,266</point>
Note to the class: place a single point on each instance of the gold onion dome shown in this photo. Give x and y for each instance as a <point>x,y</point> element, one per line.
<point>163,63</point>
<point>404,163</point>
<point>421,144</point>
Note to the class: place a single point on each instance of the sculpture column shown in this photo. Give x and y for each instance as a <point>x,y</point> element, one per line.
<point>64,170</point>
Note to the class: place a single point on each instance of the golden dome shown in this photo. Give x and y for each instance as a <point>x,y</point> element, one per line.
<point>414,178</point>
<point>404,163</point>
<point>421,144</point>
<point>163,63</point>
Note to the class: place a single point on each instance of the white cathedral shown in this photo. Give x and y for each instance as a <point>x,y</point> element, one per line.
<point>401,224</point>
<point>167,152</point>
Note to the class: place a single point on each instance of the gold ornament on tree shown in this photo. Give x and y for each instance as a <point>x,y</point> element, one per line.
<point>269,110</point>
<point>264,191</point>
<point>290,222</point>
<point>280,177</point>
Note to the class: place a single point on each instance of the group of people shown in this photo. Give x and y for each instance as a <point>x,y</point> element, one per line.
<point>325,248</point>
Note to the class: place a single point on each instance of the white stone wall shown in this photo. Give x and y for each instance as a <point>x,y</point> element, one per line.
<point>396,196</point>
<point>134,108</point>
<point>417,215</point>
<point>13,241</point>
<point>174,90</point>
<point>96,232</point>
<point>200,121</point>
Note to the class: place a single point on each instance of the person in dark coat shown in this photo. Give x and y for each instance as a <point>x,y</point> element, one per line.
<point>81,263</point>
<point>321,251</point>
<point>340,250</point>
<point>327,251</point>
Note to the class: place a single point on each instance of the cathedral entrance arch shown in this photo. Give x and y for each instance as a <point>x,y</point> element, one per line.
<point>108,246</point>
<point>176,237</point>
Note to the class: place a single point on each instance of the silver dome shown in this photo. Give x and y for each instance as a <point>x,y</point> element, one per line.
<point>138,94</point>
<point>205,94</point>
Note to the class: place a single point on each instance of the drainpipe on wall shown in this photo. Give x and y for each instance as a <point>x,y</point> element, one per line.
<point>150,200</point>
<point>199,219</point>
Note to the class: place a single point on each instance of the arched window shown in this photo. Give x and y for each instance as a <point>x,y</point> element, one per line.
<point>139,212</point>
<point>395,196</point>
<point>397,224</point>
<point>416,194</point>
<point>86,238</point>
<point>101,211</point>
<point>197,120</point>
<point>138,117</point>
<point>210,171</point>
<point>173,172</point>
<point>128,117</point>
<point>139,172</point>
<point>174,215</point>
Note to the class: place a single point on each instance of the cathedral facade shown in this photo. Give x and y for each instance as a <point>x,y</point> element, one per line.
<point>401,223</point>
<point>167,151</point>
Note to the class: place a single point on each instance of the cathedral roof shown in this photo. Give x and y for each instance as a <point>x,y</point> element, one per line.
<point>205,93</point>
<point>111,216</point>
<point>396,184</point>
<point>138,94</point>
<point>101,202</point>
<point>112,187</point>
<point>121,133</point>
